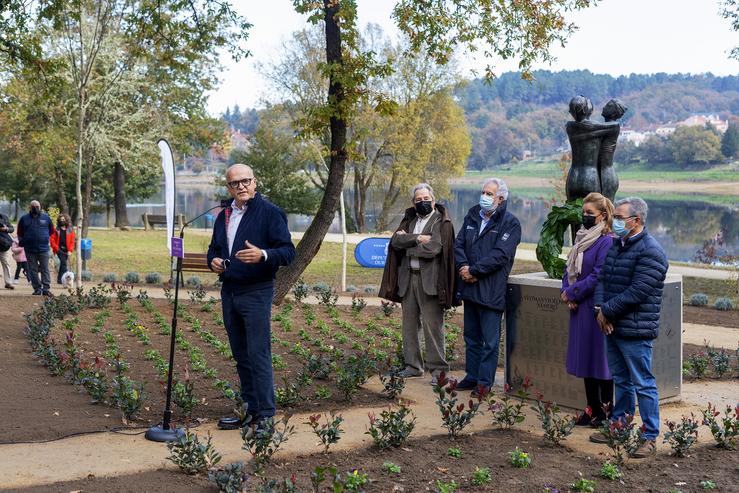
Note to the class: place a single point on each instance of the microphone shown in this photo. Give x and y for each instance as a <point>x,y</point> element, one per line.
<point>223,203</point>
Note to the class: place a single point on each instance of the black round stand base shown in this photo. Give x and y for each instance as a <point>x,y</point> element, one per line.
<point>159,434</point>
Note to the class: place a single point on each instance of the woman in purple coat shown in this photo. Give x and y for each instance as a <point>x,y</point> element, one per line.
<point>586,348</point>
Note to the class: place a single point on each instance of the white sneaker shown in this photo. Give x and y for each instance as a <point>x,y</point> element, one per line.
<point>15,281</point>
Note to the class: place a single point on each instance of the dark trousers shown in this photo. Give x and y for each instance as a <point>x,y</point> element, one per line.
<point>38,263</point>
<point>599,393</point>
<point>482,342</point>
<point>62,265</point>
<point>247,317</point>
<point>21,266</point>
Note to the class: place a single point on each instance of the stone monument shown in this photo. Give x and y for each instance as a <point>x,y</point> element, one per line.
<point>537,320</point>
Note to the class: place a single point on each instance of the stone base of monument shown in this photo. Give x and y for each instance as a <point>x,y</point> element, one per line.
<point>537,329</point>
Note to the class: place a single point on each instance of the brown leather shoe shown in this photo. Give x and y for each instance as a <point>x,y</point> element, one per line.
<point>598,437</point>
<point>645,450</point>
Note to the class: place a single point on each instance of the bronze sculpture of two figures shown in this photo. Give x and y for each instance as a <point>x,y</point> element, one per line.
<point>593,145</point>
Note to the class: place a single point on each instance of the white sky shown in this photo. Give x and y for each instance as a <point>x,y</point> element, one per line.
<point>615,37</point>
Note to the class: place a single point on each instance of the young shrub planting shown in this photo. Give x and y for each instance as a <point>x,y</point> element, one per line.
<point>454,452</point>
<point>723,304</point>
<point>390,468</point>
<point>454,416</point>
<point>392,428</point>
<point>330,432</point>
<point>358,304</point>
<point>86,275</point>
<point>153,278</point>
<point>519,459</point>
<point>264,440</point>
<point>481,476</point>
<point>192,456</point>
<point>681,436</point>
<point>721,362</point>
<point>697,364</point>
<point>132,278</point>
<point>327,297</point>
<point>698,299</point>
<point>95,381</point>
<point>392,383</point>
<point>300,290</point>
<point>388,307</point>
<point>507,411</point>
<point>725,430</point>
<point>110,277</point>
<point>230,479</point>
<point>610,471</point>
<point>556,427</point>
<point>449,487</point>
<point>183,396</point>
<point>623,437</point>
<point>582,484</point>
<point>193,282</point>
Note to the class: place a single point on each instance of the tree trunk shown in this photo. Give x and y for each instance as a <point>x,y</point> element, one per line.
<point>358,206</point>
<point>119,192</point>
<point>87,199</point>
<point>108,214</point>
<point>61,196</point>
<point>391,197</point>
<point>313,237</point>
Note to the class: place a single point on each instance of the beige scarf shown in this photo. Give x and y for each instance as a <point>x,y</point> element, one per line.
<point>584,239</point>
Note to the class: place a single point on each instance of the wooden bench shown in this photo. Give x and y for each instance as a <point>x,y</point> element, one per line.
<point>195,262</point>
<point>151,220</point>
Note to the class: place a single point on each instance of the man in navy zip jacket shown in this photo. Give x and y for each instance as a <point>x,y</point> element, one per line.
<point>250,242</point>
<point>34,231</point>
<point>483,252</point>
<point>628,300</point>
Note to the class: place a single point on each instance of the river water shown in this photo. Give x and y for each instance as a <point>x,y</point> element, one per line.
<point>681,226</point>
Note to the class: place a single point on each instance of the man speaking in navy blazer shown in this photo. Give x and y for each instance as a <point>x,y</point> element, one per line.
<point>250,242</point>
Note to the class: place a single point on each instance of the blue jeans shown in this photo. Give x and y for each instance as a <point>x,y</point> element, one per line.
<point>247,317</point>
<point>482,340</point>
<point>630,363</point>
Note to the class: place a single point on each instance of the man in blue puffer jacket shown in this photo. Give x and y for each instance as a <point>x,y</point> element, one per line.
<point>483,252</point>
<point>627,301</point>
<point>250,242</point>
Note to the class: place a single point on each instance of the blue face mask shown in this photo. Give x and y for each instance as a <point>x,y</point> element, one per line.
<point>619,227</point>
<point>486,203</point>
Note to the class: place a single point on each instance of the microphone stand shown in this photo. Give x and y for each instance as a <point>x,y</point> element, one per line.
<point>164,432</point>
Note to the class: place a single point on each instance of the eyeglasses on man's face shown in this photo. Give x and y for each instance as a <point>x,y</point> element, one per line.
<point>240,183</point>
<point>624,218</point>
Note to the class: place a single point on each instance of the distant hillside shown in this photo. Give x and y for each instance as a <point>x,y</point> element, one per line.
<point>511,115</point>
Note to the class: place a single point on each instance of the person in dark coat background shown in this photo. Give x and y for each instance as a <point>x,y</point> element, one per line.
<point>419,272</point>
<point>586,345</point>
<point>250,242</point>
<point>628,300</point>
<point>484,252</point>
<point>34,233</point>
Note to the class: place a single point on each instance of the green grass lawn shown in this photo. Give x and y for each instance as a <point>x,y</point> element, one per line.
<point>141,251</point>
<point>640,172</point>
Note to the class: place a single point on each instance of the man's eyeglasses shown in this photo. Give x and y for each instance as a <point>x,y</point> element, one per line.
<point>238,183</point>
<point>623,217</point>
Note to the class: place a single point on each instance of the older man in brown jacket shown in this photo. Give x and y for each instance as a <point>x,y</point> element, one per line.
<point>419,273</point>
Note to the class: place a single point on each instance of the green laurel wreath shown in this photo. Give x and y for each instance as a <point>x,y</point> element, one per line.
<point>552,234</point>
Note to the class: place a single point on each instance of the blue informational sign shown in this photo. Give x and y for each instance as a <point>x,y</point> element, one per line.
<point>86,248</point>
<point>372,252</point>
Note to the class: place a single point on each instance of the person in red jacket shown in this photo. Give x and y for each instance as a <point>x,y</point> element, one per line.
<point>62,243</point>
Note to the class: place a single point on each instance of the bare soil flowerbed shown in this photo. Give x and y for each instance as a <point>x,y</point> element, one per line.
<point>710,316</point>
<point>424,461</point>
<point>59,408</point>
